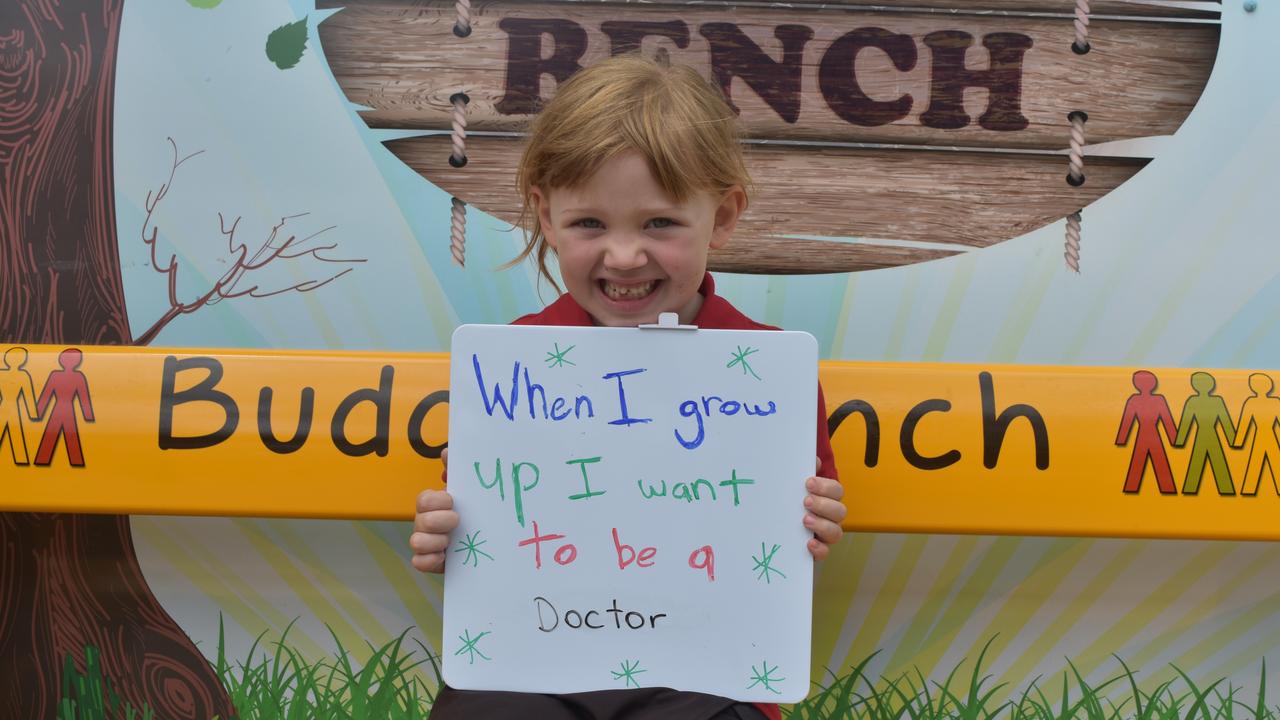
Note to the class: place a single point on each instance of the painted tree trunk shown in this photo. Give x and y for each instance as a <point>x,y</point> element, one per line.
<point>71,581</point>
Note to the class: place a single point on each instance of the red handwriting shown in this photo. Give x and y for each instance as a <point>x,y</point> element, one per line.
<point>704,558</point>
<point>627,554</point>
<point>564,555</point>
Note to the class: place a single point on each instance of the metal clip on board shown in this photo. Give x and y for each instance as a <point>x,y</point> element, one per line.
<point>668,321</point>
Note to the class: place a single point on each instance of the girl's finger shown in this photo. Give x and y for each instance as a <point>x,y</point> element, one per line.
<point>818,549</point>
<point>427,543</point>
<point>434,500</point>
<point>825,530</point>
<point>436,521</point>
<point>433,562</point>
<point>826,487</point>
<point>826,508</point>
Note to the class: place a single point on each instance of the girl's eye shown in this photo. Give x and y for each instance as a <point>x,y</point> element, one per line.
<point>660,223</point>
<point>589,223</point>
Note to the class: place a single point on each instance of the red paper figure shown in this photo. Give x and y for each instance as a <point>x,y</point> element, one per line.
<point>64,387</point>
<point>1149,411</point>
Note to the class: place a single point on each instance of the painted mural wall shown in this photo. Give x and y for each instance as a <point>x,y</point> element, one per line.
<point>273,174</point>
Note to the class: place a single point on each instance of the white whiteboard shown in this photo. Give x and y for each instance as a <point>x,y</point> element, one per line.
<point>734,621</point>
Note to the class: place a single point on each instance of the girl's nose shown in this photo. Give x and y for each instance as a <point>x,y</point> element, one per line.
<point>624,252</point>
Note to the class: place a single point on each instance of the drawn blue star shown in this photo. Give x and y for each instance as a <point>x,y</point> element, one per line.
<point>764,564</point>
<point>557,358</point>
<point>469,646</point>
<point>740,358</point>
<point>629,670</point>
<point>472,549</point>
<point>764,676</point>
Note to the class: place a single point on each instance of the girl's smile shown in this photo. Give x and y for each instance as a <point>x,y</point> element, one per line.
<point>627,292</point>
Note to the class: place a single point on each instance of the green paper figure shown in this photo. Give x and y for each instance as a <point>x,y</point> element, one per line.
<point>1207,411</point>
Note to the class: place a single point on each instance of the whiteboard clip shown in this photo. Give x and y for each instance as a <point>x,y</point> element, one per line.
<point>668,321</point>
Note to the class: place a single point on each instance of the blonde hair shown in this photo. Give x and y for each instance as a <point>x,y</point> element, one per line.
<point>678,121</point>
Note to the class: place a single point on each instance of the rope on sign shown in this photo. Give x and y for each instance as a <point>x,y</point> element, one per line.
<point>462,26</point>
<point>458,159</point>
<point>1075,158</point>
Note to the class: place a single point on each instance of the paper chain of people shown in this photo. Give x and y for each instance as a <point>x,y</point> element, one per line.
<point>55,405</point>
<point>1203,413</point>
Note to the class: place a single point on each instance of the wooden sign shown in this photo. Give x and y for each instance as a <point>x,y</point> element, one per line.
<point>868,122</point>
<point>630,503</point>
<point>991,449</point>
<point>886,196</point>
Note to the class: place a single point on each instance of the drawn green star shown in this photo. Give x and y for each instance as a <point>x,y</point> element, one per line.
<point>740,358</point>
<point>469,646</point>
<point>472,549</point>
<point>557,358</point>
<point>764,563</point>
<point>629,671</point>
<point>764,676</point>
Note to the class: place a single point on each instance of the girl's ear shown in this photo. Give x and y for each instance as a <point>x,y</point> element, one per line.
<point>732,204</point>
<point>542,209</point>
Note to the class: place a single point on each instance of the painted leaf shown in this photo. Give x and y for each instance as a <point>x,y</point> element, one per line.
<point>286,43</point>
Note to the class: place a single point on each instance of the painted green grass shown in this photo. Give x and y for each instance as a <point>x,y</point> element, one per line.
<point>280,684</point>
<point>88,696</point>
<point>275,682</point>
<point>856,696</point>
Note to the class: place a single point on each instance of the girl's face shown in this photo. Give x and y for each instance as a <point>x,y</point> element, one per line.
<point>627,251</point>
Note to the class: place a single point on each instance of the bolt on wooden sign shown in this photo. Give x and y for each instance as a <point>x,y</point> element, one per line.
<point>941,126</point>
<point>993,449</point>
<point>630,504</point>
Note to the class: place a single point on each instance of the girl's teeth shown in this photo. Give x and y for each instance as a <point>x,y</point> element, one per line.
<point>632,292</point>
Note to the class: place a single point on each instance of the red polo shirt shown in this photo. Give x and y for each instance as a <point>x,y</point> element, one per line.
<point>716,314</point>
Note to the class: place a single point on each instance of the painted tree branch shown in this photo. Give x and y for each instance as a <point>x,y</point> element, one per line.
<point>237,280</point>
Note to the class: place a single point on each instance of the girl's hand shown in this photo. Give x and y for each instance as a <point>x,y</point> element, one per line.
<point>434,521</point>
<point>825,513</point>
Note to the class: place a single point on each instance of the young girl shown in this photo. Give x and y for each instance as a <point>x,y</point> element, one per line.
<point>631,175</point>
